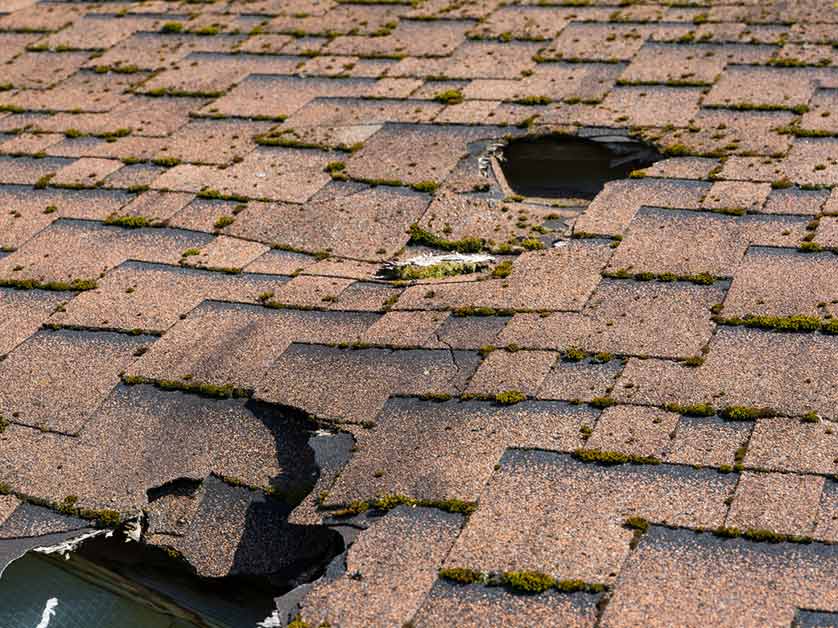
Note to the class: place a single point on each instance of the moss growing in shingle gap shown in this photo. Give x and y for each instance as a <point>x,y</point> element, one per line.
<point>693,409</point>
<point>461,575</point>
<point>745,413</point>
<point>602,402</point>
<point>127,222</point>
<point>509,397</point>
<point>436,271</point>
<point>76,285</point>
<point>810,417</point>
<point>224,221</point>
<point>790,324</point>
<point>502,270</point>
<point>388,502</point>
<point>599,456</point>
<point>528,581</point>
<point>449,97</point>
<point>573,354</point>
<point>423,237</point>
<point>470,310</point>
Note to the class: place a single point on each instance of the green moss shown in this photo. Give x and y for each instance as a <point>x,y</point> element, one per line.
<point>810,417</point>
<point>166,162</point>
<point>509,397</point>
<point>127,222</point>
<point>677,150</point>
<point>193,251</point>
<point>695,409</point>
<point>701,279</point>
<point>335,169</point>
<point>208,30</point>
<point>531,101</point>
<point>528,581</point>
<point>576,586</point>
<point>425,186</point>
<point>449,97</point>
<point>602,358</point>
<point>461,575</point>
<point>759,535</point>
<point>809,247</point>
<point>637,523</point>
<point>224,221</point>
<point>745,413</point>
<point>599,456</point>
<point>532,244</point>
<point>76,285</point>
<point>502,270</point>
<point>171,27</point>
<point>435,397</point>
<point>795,130</point>
<point>693,361</point>
<point>573,354</point>
<point>788,324</point>
<point>602,402</point>
<point>205,390</point>
<point>388,502</point>
<point>781,184</point>
<point>470,310</point>
<point>423,237</point>
<point>43,181</point>
<point>4,423</point>
<point>436,271</point>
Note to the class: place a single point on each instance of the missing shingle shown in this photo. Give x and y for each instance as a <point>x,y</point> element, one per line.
<point>555,166</point>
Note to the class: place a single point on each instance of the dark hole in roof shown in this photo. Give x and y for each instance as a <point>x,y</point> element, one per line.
<point>569,167</point>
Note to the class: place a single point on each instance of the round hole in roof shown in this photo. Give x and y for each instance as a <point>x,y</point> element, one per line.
<point>553,166</point>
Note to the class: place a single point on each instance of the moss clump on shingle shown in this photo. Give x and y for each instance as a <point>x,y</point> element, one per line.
<point>449,97</point>
<point>745,413</point>
<point>693,409</point>
<point>532,101</point>
<point>471,310</point>
<point>528,581</point>
<point>436,271</point>
<point>425,186</point>
<point>573,354</point>
<point>509,397</point>
<point>388,502</point>
<point>502,270</point>
<point>599,456</point>
<point>701,279</point>
<point>461,575</point>
<point>224,221</point>
<point>809,417</point>
<point>423,237</point>
<point>602,402</point>
<point>76,285</point>
<point>171,27</point>
<point>127,222</point>
<point>637,523</point>
<point>789,324</point>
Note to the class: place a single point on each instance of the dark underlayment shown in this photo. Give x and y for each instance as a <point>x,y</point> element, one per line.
<point>345,313</point>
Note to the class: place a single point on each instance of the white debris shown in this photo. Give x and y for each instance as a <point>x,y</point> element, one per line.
<point>70,545</point>
<point>476,260</point>
<point>49,612</point>
<point>270,622</point>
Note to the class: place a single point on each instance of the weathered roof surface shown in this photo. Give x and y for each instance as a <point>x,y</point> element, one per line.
<point>630,415</point>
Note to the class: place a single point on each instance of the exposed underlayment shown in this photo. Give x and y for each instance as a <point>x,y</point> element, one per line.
<point>286,338</point>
